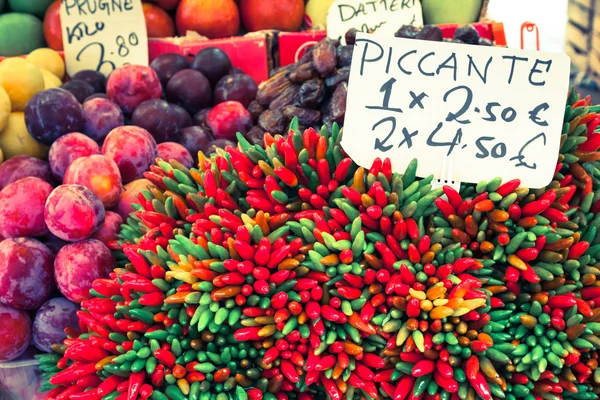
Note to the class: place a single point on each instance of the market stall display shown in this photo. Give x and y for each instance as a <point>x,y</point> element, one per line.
<point>302,274</point>
<point>193,229</point>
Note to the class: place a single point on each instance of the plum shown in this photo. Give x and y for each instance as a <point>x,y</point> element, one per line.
<point>158,118</point>
<point>94,78</point>
<point>100,116</point>
<point>132,148</point>
<point>15,332</point>
<point>168,64</point>
<point>228,118</point>
<point>26,274</point>
<point>130,196</point>
<point>22,211</point>
<point>80,89</point>
<point>51,320</point>
<point>19,167</point>
<point>195,139</point>
<point>213,62</point>
<point>51,114</point>
<point>53,243</point>
<point>98,96</point>
<point>131,85</point>
<point>77,265</point>
<point>73,212</point>
<point>99,174</point>
<point>174,151</point>
<point>239,87</point>
<point>189,89</point>
<point>110,229</point>
<point>185,119</point>
<point>68,148</point>
<point>201,118</point>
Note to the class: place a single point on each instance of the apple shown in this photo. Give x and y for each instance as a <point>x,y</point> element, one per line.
<point>211,18</point>
<point>158,22</point>
<point>166,4</point>
<point>451,11</point>
<point>283,15</point>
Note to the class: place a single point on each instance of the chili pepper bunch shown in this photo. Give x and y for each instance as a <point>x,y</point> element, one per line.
<point>288,272</point>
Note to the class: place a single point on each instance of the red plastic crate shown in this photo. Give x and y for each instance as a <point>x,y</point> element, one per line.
<point>292,45</point>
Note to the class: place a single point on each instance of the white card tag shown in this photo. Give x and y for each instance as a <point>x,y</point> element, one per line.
<point>381,16</point>
<point>103,35</point>
<point>496,111</point>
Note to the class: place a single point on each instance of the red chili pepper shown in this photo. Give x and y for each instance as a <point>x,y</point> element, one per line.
<point>472,367</point>
<point>136,379</point>
<point>561,301</point>
<point>248,333</point>
<point>530,275</point>
<point>373,361</point>
<point>555,215</point>
<point>535,207</point>
<point>349,293</point>
<point>404,387</point>
<point>165,357</point>
<point>481,386</point>
<point>584,308</point>
<point>361,325</point>
<point>448,384</point>
<point>445,207</point>
<point>138,261</point>
<point>578,249</point>
<point>66,394</point>
<point>154,299</point>
<point>331,388</point>
<point>507,188</point>
<point>89,395</point>
<point>444,369</point>
<point>289,371</point>
<point>423,367</point>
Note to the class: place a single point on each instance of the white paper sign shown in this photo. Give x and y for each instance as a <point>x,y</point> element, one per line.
<point>496,111</point>
<point>381,16</point>
<point>103,35</point>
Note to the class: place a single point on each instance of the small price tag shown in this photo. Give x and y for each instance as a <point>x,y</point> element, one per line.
<point>103,35</point>
<point>494,111</point>
<point>381,16</point>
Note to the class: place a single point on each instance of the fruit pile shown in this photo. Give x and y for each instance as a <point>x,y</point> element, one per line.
<point>314,89</point>
<point>210,89</point>
<point>164,18</point>
<point>466,34</point>
<point>285,271</point>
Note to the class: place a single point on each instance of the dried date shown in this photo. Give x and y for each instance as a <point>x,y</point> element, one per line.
<point>325,56</point>
<point>289,97</point>
<point>339,76</point>
<point>256,135</point>
<point>305,116</point>
<point>344,56</point>
<point>338,103</point>
<point>272,88</point>
<point>303,73</point>
<point>273,121</point>
<point>312,93</point>
<point>255,109</point>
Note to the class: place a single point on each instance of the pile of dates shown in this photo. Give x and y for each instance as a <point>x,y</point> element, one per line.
<point>314,88</point>
<point>465,34</point>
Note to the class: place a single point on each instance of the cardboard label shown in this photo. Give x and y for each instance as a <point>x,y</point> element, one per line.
<point>103,35</point>
<point>495,111</point>
<point>380,16</point>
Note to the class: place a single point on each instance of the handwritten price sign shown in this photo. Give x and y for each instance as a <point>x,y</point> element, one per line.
<point>496,111</point>
<point>103,35</point>
<point>381,16</point>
